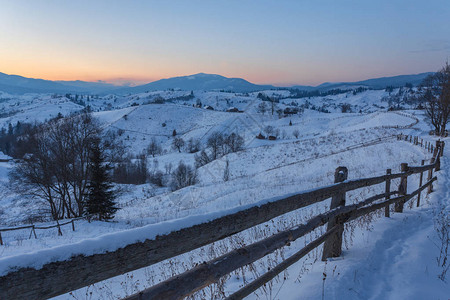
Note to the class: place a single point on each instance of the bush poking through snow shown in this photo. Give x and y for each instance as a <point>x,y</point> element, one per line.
<point>183,176</point>
<point>193,145</point>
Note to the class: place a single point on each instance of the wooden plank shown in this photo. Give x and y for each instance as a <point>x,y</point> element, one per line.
<point>375,198</point>
<point>16,228</point>
<point>272,273</point>
<point>420,169</point>
<point>365,210</point>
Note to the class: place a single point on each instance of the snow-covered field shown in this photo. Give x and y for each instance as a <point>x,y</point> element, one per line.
<point>362,141</point>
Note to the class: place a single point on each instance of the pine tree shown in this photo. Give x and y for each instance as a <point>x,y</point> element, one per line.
<point>100,198</point>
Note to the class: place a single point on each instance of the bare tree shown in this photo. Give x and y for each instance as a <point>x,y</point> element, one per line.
<point>202,159</point>
<point>437,99</point>
<point>183,176</point>
<point>216,141</point>
<point>178,144</point>
<point>56,169</point>
<point>154,148</point>
<point>233,142</point>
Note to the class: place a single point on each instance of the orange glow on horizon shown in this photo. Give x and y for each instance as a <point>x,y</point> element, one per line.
<point>120,78</point>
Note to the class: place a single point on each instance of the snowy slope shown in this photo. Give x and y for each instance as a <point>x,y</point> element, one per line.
<point>263,170</point>
<point>397,259</point>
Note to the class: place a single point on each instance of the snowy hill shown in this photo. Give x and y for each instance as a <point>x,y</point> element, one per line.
<point>199,81</point>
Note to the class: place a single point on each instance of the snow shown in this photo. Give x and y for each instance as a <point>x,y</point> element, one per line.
<point>395,260</point>
<point>377,264</point>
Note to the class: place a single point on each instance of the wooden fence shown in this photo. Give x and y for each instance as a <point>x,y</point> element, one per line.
<point>418,141</point>
<point>33,227</point>
<point>57,278</point>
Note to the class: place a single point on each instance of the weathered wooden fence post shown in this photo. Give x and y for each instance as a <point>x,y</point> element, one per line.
<point>388,190</point>
<point>402,188</point>
<point>437,155</point>
<point>430,175</point>
<point>73,226</point>
<point>1,240</point>
<point>420,184</point>
<point>333,245</point>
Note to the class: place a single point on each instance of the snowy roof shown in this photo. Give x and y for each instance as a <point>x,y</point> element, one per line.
<point>4,156</point>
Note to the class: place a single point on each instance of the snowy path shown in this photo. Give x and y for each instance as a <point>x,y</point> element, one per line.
<point>395,260</point>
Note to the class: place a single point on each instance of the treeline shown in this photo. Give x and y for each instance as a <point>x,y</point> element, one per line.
<point>11,142</point>
<point>296,93</point>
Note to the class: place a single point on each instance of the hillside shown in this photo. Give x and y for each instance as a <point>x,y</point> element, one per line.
<point>309,145</point>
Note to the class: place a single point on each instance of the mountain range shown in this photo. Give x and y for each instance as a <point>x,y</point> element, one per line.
<point>15,84</point>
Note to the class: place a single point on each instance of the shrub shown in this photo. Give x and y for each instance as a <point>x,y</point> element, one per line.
<point>193,145</point>
<point>183,176</point>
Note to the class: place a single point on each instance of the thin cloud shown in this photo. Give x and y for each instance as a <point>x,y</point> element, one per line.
<point>437,46</point>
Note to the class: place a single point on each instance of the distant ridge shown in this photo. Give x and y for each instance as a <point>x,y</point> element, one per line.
<point>15,84</point>
<point>375,83</point>
<point>200,81</point>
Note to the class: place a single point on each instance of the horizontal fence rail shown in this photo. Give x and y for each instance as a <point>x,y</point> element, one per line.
<point>60,277</point>
<point>34,227</point>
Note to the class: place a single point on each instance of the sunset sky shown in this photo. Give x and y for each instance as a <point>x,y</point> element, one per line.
<point>266,42</point>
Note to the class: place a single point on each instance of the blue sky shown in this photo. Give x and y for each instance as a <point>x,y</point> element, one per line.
<point>276,42</point>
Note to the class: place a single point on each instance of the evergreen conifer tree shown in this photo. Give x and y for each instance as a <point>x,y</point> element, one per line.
<point>100,198</point>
